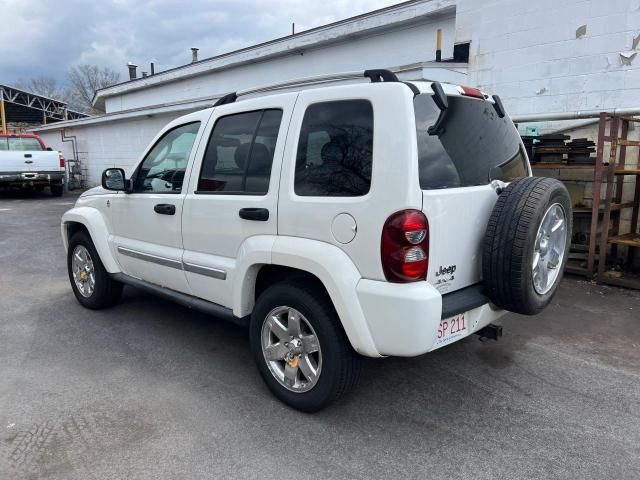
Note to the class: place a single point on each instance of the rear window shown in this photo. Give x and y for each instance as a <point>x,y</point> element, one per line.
<point>335,150</point>
<point>473,147</point>
<point>20,144</point>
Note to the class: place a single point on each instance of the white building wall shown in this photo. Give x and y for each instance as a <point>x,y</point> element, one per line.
<point>103,145</point>
<point>525,51</point>
<point>121,143</point>
<point>528,53</point>
<point>401,45</point>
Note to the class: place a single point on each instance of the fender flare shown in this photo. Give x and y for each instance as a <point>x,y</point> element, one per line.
<point>96,225</point>
<point>328,263</point>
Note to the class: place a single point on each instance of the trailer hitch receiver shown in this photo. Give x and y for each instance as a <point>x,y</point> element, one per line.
<point>490,332</point>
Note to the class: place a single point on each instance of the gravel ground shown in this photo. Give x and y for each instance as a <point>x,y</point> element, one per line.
<point>152,390</point>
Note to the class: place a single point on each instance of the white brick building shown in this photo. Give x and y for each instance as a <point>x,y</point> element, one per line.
<point>541,57</point>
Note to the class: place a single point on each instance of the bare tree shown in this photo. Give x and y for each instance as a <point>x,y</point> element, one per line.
<point>84,81</point>
<point>45,86</point>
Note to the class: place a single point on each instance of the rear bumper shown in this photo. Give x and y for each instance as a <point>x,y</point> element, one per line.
<point>31,179</point>
<point>403,319</point>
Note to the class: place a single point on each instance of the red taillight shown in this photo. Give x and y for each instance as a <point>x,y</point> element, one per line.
<point>472,92</point>
<point>61,161</point>
<point>405,246</point>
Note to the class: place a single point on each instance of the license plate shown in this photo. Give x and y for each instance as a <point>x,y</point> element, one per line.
<point>452,329</point>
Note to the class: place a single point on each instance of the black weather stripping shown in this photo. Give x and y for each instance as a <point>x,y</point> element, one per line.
<point>228,98</point>
<point>440,99</point>
<point>413,88</point>
<point>381,75</point>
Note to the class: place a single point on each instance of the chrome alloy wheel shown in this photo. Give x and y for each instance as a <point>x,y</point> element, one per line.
<point>291,349</point>
<point>83,270</point>
<point>549,249</point>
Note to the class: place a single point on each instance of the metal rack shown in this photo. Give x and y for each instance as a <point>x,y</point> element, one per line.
<point>615,171</point>
<point>606,211</point>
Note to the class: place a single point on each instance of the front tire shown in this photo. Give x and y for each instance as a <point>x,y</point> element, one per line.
<point>90,281</point>
<point>300,347</point>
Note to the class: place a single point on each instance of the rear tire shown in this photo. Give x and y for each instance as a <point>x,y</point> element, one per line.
<point>337,364</point>
<point>57,190</point>
<point>521,265</point>
<point>92,285</point>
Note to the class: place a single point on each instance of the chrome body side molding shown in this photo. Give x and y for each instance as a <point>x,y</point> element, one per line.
<point>169,262</point>
<point>206,271</point>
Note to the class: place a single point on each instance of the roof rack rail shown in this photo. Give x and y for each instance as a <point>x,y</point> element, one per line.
<point>375,75</point>
<point>381,75</point>
<point>228,98</point>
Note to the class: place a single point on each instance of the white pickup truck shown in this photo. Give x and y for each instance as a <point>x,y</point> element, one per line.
<point>26,163</point>
<point>383,218</point>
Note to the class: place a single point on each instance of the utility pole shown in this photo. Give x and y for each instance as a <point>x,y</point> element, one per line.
<point>3,115</point>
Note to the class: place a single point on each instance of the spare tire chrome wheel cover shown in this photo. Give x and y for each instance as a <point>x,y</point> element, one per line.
<point>83,271</point>
<point>549,249</point>
<point>291,349</point>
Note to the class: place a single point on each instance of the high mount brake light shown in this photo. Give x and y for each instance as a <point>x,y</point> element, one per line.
<point>472,92</point>
<point>404,247</point>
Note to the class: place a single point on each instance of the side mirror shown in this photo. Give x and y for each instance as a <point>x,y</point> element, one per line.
<point>113,179</point>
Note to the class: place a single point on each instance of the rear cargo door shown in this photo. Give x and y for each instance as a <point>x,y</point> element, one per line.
<point>462,163</point>
<point>457,221</point>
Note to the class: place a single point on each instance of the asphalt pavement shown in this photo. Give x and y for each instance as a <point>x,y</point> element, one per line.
<point>152,390</point>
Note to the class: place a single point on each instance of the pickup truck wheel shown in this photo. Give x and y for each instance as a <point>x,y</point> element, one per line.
<point>300,348</point>
<point>527,244</point>
<point>57,190</point>
<point>91,283</point>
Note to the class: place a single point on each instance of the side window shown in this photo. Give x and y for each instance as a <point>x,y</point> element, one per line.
<point>240,152</point>
<point>162,170</point>
<point>335,149</point>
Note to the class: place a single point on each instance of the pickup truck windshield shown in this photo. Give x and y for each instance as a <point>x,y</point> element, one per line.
<point>20,144</point>
<point>473,147</point>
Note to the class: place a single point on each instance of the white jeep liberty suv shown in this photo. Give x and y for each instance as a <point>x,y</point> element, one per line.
<point>373,219</point>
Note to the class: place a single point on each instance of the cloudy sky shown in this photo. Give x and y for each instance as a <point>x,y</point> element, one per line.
<point>47,37</point>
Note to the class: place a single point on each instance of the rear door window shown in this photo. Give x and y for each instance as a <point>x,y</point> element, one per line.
<point>240,153</point>
<point>474,146</point>
<point>335,149</point>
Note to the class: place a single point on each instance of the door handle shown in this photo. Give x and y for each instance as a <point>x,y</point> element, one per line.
<point>165,209</point>
<point>28,161</point>
<point>28,155</point>
<point>258,214</point>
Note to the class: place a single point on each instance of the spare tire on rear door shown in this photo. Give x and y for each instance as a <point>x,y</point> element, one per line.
<point>526,244</point>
